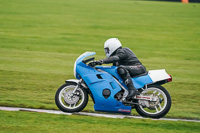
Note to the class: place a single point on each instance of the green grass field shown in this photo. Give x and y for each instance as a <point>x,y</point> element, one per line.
<point>29,122</point>
<point>40,40</point>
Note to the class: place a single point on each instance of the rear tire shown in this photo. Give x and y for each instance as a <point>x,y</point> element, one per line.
<point>162,92</point>
<point>67,102</point>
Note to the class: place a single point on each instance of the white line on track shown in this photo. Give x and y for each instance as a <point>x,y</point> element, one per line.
<point>89,114</point>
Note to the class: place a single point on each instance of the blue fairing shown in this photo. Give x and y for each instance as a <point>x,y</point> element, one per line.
<point>97,82</point>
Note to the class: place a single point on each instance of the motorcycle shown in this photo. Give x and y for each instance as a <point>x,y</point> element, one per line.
<point>108,90</point>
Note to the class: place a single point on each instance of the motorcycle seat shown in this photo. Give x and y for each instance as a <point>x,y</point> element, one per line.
<point>143,74</point>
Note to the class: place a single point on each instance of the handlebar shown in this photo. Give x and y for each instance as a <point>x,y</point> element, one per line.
<point>88,60</point>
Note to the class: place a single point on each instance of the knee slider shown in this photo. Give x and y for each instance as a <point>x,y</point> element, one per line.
<point>121,71</point>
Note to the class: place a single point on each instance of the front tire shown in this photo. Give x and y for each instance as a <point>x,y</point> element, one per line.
<point>67,101</point>
<point>155,109</point>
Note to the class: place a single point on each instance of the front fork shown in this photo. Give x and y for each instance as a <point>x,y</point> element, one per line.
<point>82,84</point>
<point>77,86</point>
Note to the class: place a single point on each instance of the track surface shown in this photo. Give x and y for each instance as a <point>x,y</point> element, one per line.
<point>88,114</point>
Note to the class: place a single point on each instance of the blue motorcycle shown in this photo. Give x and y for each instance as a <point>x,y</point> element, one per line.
<point>108,91</point>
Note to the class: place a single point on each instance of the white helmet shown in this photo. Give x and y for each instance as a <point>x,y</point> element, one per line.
<point>111,45</point>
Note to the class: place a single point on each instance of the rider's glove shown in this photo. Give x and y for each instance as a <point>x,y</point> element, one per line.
<point>99,62</point>
<point>94,63</point>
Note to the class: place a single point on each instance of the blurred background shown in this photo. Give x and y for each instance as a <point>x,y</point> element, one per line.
<point>41,39</point>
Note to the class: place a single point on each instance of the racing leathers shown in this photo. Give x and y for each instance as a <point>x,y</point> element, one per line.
<point>128,66</point>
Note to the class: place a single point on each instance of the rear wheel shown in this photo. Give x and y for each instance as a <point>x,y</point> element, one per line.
<point>159,106</point>
<point>68,101</point>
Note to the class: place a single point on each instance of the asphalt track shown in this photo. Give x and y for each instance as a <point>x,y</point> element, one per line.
<point>89,114</point>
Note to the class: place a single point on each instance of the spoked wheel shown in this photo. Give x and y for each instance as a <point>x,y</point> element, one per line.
<point>68,101</point>
<point>158,106</point>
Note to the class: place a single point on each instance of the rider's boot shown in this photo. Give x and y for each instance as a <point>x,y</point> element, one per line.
<point>132,91</point>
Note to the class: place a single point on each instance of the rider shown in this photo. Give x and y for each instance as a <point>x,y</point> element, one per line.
<point>127,62</point>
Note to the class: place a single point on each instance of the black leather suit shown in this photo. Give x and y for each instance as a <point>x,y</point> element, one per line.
<point>128,65</point>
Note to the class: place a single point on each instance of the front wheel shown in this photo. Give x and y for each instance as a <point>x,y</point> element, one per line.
<point>158,106</point>
<point>67,101</point>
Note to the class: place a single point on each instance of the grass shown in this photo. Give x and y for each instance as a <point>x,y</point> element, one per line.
<point>30,122</point>
<point>40,40</point>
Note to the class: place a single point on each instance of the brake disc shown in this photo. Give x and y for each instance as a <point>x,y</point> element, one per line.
<point>70,98</point>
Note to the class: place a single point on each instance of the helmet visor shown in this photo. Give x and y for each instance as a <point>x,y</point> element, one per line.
<point>107,50</point>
